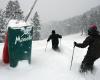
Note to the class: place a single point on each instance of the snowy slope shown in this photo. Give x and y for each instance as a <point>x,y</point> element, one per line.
<point>50,65</point>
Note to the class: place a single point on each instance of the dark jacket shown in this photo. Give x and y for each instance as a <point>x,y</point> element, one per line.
<point>93,41</point>
<point>54,38</point>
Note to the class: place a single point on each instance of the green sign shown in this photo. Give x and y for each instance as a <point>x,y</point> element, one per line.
<point>19,44</point>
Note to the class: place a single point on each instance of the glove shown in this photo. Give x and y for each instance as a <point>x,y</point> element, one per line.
<point>75,43</point>
<point>47,40</point>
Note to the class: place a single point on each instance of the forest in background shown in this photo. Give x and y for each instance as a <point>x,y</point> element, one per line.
<point>73,25</point>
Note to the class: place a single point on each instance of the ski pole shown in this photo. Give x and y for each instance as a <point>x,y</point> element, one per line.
<point>60,42</point>
<point>46,46</point>
<point>72,57</point>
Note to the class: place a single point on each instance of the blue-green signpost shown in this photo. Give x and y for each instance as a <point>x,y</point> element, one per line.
<point>19,44</point>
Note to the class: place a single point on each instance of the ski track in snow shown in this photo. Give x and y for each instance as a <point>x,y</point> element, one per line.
<point>50,65</point>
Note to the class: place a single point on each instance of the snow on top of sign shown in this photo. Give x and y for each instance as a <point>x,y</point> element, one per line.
<point>17,23</point>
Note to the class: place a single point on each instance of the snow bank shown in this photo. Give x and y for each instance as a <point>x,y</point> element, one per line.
<point>22,65</point>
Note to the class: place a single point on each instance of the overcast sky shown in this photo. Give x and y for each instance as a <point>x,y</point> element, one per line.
<point>52,10</point>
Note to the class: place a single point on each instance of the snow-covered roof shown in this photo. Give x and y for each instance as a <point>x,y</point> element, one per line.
<point>17,23</point>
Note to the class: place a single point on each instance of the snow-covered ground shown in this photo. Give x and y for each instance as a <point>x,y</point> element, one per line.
<point>50,65</point>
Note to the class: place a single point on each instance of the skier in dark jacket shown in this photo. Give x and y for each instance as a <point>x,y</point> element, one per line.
<point>55,39</point>
<point>93,53</point>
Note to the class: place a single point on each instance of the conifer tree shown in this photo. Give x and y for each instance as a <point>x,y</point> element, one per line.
<point>2,25</point>
<point>13,10</point>
<point>36,26</point>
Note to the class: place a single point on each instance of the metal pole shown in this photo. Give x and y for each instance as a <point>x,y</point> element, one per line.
<point>46,46</point>
<point>72,57</point>
<point>30,11</point>
<point>60,42</point>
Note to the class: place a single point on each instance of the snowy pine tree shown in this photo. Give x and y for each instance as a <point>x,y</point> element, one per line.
<point>2,25</point>
<point>13,10</point>
<point>36,26</point>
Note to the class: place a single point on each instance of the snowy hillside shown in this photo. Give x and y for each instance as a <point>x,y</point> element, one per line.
<point>50,65</point>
